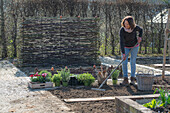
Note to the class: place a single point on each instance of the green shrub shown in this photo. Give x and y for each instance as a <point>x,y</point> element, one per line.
<point>87,79</point>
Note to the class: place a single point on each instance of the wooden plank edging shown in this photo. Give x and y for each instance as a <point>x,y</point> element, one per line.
<point>88,99</point>
<point>112,98</point>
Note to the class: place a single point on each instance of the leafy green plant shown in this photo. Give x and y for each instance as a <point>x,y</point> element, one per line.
<point>163,100</point>
<point>153,104</point>
<point>164,96</point>
<point>87,79</point>
<point>56,79</point>
<point>115,75</point>
<point>80,78</point>
<point>65,74</point>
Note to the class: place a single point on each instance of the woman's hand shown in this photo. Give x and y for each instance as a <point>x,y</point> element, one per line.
<point>139,40</point>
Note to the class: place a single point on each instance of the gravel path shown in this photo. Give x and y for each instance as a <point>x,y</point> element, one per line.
<point>16,97</point>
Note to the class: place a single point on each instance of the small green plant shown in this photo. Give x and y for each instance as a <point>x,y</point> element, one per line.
<point>153,104</point>
<point>163,100</point>
<point>115,75</point>
<point>87,79</point>
<point>56,79</point>
<point>164,96</point>
<point>65,74</point>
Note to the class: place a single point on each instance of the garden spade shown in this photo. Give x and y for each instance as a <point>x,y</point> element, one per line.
<point>113,71</point>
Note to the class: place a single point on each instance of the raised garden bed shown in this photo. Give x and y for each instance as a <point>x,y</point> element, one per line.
<point>134,104</point>
<point>107,106</point>
<point>159,109</point>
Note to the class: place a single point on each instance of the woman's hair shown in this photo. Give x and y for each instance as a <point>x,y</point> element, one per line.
<point>130,21</point>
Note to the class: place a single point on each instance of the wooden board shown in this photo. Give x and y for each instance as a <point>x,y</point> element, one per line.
<point>88,99</point>
<point>112,98</point>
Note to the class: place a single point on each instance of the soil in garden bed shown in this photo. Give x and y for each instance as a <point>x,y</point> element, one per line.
<point>162,109</point>
<point>158,109</point>
<point>100,106</point>
<point>159,81</point>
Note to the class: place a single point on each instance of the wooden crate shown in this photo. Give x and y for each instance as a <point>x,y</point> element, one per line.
<point>35,85</point>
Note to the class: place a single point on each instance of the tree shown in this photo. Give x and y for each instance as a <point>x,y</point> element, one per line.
<point>4,41</point>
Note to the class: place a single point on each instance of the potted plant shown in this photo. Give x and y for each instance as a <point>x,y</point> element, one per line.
<point>40,80</point>
<point>80,78</point>
<point>88,79</point>
<point>115,76</point>
<point>65,74</point>
<point>56,79</point>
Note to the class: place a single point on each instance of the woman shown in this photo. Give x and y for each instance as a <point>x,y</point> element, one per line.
<point>128,39</point>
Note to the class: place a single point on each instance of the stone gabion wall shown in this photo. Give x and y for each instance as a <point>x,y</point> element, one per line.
<point>60,42</point>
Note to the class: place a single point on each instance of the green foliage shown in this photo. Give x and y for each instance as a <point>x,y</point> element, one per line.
<point>164,96</point>
<point>42,77</point>
<point>49,75</point>
<point>86,78</point>
<point>80,78</point>
<point>163,100</point>
<point>65,74</point>
<point>102,50</point>
<point>45,71</point>
<point>115,75</point>
<point>153,104</point>
<point>166,1</point>
<point>56,78</point>
<point>34,79</point>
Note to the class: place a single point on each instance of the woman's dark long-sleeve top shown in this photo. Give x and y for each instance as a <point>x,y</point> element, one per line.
<point>129,39</point>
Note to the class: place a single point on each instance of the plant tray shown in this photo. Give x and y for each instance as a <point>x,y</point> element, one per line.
<point>35,85</point>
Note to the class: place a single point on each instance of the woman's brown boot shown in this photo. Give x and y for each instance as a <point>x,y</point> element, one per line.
<point>125,81</point>
<point>133,79</point>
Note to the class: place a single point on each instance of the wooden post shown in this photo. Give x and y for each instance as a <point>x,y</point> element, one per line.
<point>165,44</point>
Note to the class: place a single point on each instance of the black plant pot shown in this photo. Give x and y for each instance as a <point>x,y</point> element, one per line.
<point>80,83</point>
<point>73,81</point>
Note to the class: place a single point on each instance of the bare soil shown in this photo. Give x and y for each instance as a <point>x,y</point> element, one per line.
<point>101,106</point>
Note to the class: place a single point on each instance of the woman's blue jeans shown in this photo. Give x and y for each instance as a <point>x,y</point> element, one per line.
<point>133,53</point>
